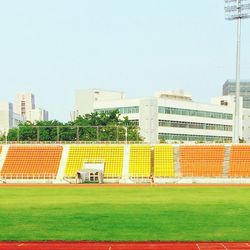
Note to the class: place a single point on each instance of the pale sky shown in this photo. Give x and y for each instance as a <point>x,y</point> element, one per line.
<point>53,47</point>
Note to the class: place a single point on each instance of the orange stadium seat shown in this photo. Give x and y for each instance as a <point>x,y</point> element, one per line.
<point>239,161</point>
<point>202,161</point>
<point>32,160</point>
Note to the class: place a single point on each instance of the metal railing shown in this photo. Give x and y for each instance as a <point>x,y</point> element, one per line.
<point>27,176</point>
<point>72,134</point>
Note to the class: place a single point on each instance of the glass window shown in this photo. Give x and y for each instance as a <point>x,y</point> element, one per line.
<point>193,125</point>
<point>189,112</point>
<point>122,110</point>
<point>184,137</point>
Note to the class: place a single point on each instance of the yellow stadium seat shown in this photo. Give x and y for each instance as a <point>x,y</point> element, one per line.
<point>140,161</point>
<point>164,161</point>
<point>110,155</point>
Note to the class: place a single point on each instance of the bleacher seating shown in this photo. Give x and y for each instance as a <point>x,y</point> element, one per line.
<point>239,161</point>
<point>110,155</point>
<point>159,161</point>
<point>32,161</point>
<point>202,161</point>
<point>163,161</point>
<point>140,161</point>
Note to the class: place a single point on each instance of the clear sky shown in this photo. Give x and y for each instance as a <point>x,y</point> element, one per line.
<point>53,47</point>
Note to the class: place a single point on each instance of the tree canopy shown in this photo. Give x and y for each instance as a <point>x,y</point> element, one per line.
<point>97,126</point>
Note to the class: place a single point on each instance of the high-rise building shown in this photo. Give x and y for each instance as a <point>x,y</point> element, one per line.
<point>25,106</point>
<point>24,103</point>
<point>8,119</point>
<point>6,115</point>
<point>229,88</point>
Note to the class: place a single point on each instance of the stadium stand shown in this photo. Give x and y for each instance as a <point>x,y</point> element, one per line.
<point>32,160</point>
<point>110,155</point>
<point>202,161</point>
<point>239,161</point>
<point>164,161</point>
<point>136,163</point>
<point>140,161</point>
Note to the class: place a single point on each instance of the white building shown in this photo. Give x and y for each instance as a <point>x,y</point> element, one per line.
<point>8,119</point>
<point>37,114</point>
<point>167,116</point>
<point>25,106</point>
<point>6,116</point>
<point>246,125</point>
<point>24,103</point>
<point>85,100</point>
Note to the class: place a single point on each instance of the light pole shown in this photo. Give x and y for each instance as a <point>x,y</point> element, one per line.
<point>237,10</point>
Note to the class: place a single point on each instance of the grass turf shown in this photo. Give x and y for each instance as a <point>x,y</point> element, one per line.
<point>125,213</point>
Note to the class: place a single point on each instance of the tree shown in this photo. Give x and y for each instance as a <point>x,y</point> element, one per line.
<point>97,126</point>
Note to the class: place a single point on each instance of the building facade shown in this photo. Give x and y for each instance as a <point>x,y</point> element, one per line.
<point>85,100</point>
<point>25,106</point>
<point>37,114</point>
<point>6,116</point>
<point>173,116</point>
<point>24,103</point>
<point>229,88</point>
<point>8,119</point>
<point>23,110</point>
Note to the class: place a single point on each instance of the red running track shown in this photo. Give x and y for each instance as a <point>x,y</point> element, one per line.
<point>60,245</point>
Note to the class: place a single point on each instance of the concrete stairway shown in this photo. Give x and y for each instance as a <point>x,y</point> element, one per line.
<point>62,166</point>
<point>3,155</point>
<point>125,169</point>
<point>177,168</point>
<point>226,164</point>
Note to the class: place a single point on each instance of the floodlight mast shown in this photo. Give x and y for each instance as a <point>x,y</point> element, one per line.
<point>237,10</point>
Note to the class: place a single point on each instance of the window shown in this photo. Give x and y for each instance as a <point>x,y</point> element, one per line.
<point>194,125</point>
<point>122,110</point>
<point>190,112</point>
<point>223,103</point>
<point>185,137</point>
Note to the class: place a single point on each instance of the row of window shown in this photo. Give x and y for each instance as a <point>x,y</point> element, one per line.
<point>190,112</point>
<point>179,124</point>
<point>135,122</point>
<point>183,137</point>
<point>242,89</point>
<point>122,110</point>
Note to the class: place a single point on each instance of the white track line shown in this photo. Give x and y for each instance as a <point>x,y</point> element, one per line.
<point>198,246</point>
<point>224,246</point>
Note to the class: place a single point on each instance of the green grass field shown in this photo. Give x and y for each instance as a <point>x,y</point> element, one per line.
<point>125,213</point>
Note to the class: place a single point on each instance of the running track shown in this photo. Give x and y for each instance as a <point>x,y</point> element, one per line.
<point>59,245</point>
